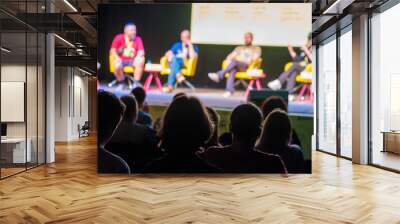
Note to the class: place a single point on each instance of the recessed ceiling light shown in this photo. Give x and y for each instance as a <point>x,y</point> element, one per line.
<point>5,50</point>
<point>70,5</point>
<point>64,40</point>
<point>84,71</point>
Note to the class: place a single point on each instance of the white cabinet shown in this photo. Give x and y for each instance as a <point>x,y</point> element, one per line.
<point>16,147</point>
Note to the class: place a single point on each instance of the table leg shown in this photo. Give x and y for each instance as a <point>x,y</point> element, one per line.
<point>258,84</point>
<point>249,87</point>
<point>148,82</point>
<point>158,82</point>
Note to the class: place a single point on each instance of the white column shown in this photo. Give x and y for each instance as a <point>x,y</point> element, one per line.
<point>50,92</point>
<point>50,99</point>
<point>360,90</point>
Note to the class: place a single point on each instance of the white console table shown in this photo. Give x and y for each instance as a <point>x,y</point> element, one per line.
<point>16,146</point>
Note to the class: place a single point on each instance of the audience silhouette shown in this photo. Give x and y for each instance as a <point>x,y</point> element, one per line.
<point>134,142</point>
<point>241,156</point>
<point>274,102</point>
<point>111,110</point>
<point>185,138</point>
<point>185,128</point>
<point>275,139</point>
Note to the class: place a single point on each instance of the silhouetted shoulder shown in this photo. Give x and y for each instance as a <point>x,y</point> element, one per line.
<point>294,159</point>
<point>215,154</point>
<point>269,163</point>
<point>297,151</point>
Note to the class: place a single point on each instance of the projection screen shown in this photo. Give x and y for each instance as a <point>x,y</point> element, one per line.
<point>277,24</point>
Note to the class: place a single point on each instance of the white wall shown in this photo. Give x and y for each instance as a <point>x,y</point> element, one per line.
<point>13,73</point>
<point>71,102</point>
<point>33,127</point>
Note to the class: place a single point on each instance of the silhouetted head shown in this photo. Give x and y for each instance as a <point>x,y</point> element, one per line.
<point>246,123</point>
<point>185,125</point>
<point>140,95</point>
<point>214,118</point>
<point>179,95</point>
<point>131,108</point>
<point>272,103</point>
<point>110,110</point>
<point>130,30</point>
<point>277,132</point>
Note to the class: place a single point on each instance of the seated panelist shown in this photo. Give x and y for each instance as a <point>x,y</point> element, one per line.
<point>239,59</point>
<point>127,50</point>
<point>300,60</point>
<point>177,54</point>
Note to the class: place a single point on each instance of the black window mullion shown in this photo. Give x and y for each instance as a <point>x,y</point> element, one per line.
<point>369,96</point>
<point>338,98</point>
<point>26,87</point>
<point>37,90</point>
<point>317,96</point>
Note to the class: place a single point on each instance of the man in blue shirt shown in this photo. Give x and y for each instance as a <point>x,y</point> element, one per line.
<point>180,50</point>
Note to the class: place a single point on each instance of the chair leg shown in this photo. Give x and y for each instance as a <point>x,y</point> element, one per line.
<point>190,85</point>
<point>129,80</point>
<point>249,87</point>
<point>238,82</point>
<point>158,82</point>
<point>244,83</point>
<point>241,82</point>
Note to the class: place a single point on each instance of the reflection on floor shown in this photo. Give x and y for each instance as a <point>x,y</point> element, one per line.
<point>386,159</point>
<point>10,170</point>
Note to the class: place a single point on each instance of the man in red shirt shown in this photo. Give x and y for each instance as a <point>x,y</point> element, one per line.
<point>127,50</point>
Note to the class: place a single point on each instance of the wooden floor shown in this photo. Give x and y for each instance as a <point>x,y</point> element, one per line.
<point>70,191</point>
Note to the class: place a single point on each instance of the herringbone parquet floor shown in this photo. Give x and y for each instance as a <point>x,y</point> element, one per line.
<point>70,191</point>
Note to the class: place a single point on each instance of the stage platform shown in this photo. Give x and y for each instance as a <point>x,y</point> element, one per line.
<point>212,98</point>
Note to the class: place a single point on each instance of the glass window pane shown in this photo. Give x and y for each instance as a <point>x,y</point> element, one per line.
<point>32,97</point>
<point>327,96</point>
<point>14,153</point>
<point>385,84</point>
<point>346,94</point>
